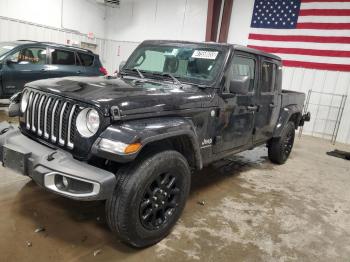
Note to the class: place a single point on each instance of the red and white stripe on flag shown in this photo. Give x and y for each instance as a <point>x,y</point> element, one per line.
<point>320,39</point>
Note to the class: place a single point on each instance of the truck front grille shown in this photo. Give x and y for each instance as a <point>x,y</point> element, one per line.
<point>51,118</point>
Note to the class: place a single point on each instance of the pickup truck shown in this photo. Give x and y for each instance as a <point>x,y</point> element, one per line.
<point>134,140</point>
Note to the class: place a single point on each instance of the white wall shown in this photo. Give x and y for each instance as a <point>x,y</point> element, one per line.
<point>81,15</point>
<point>300,79</point>
<point>241,16</point>
<point>134,20</point>
<point>137,20</point>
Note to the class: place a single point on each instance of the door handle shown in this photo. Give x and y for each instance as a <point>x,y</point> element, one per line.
<point>43,70</point>
<point>78,72</point>
<point>252,108</point>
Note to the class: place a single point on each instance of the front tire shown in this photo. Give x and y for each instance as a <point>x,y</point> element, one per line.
<point>149,198</point>
<point>280,148</point>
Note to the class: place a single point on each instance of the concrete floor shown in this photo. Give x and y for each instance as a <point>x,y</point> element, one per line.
<point>253,211</point>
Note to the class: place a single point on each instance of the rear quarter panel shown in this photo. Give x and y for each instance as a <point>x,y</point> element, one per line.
<point>291,103</point>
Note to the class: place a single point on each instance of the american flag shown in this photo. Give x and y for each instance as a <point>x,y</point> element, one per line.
<point>305,33</point>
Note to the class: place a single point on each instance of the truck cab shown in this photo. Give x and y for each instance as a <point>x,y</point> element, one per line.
<point>134,140</point>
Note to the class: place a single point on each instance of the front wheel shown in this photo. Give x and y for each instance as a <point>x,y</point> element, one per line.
<point>149,198</point>
<point>280,148</point>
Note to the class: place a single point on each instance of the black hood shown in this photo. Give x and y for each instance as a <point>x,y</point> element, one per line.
<point>130,95</point>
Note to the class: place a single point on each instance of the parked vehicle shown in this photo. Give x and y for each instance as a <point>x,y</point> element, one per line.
<point>25,61</point>
<point>134,140</point>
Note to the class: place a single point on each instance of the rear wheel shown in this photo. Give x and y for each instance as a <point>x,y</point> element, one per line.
<point>149,198</point>
<point>280,148</point>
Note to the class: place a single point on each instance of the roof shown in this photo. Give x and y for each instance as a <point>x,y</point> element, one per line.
<point>187,42</point>
<point>234,46</point>
<point>25,42</point>
<point>255,51</point>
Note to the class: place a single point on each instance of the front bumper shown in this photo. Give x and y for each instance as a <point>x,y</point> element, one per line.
<point>48,166</point>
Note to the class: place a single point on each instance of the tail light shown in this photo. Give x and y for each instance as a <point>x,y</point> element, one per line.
<point>103,70</point>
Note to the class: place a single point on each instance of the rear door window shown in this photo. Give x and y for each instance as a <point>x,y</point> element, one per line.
<point>62,57</point>
<point>268,77</point>
<point>85,59</point>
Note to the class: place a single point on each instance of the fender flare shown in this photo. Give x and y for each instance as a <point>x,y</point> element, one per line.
<point>147,131</point>
<point>285,115</point>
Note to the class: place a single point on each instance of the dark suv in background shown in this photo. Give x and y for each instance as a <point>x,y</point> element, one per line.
<point>25,61</point>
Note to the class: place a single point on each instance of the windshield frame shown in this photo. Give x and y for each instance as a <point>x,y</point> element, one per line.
<point>224,48</point>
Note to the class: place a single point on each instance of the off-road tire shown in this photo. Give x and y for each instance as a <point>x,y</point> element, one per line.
<point>280,148</point>
<point>124,209</point>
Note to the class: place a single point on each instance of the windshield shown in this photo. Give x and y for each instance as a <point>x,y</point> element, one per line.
<point>197,64</point>
<point>6,47</point>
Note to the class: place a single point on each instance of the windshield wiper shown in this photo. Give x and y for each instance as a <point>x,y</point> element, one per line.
<point>169,75</point>
<point>135,70</point>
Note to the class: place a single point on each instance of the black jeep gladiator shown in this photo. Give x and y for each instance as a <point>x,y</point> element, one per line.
<point>133,140</point>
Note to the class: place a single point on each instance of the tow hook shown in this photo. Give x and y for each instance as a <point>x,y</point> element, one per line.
<point>305,118</point>
<point>51,156</point>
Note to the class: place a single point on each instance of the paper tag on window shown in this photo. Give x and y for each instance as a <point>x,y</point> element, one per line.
<point>205,54</point>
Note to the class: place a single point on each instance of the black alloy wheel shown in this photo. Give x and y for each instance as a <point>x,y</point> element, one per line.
<point>160,201</point>
<point>288,143</point>
<point>279,148</point>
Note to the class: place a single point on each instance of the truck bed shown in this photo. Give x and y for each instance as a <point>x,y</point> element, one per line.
<point>293,98</point>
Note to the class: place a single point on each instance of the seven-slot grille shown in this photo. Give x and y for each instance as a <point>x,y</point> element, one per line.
<point>51,118</point>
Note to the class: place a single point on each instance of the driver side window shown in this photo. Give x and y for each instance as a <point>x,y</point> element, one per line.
<point>32,55</point>
<point>240,66</point>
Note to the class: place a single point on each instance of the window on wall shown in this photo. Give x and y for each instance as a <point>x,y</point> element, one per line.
<point>62,57</point>
<point>241,66</point>
<point>32,55</point>
<point>268,77</point>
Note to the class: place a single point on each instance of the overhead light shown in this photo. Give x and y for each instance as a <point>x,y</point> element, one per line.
<point>109,3</point>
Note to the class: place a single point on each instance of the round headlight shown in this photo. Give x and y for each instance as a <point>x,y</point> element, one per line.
<point>88,122</point>
<point>24,101</point>
<point>93,121</point>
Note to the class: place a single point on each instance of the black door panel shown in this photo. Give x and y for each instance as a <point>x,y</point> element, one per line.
<point>269,101</point>
<point>236,119</point>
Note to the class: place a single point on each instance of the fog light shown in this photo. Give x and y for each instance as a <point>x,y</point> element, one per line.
<point>71,186</point>
<point>65,181</point>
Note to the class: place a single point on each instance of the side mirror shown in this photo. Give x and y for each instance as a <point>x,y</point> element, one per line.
<point>121,65</point>
<point>11,61</point>
<point>240,85</point>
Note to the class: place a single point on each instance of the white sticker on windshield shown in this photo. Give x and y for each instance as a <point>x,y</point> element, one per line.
<point>205,54</point>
